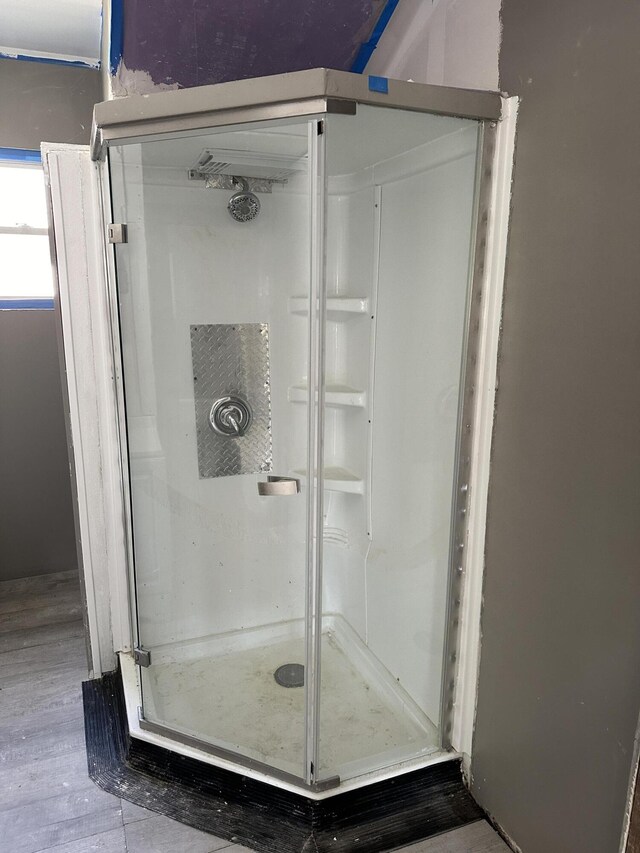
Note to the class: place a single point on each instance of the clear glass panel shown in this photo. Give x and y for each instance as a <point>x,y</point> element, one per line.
<point>399,223</point>
<point>26,267</point>
<point>211,308</point>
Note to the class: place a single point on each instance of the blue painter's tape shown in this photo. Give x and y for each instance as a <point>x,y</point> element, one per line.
<point>116,40</point>
<point>20,155</point>
<point>26,304</point>
<point>364,54</point>
<point>378,84</point>
<point>74,63</point>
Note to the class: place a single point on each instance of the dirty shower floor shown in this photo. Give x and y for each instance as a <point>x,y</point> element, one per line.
<point>233,701</point>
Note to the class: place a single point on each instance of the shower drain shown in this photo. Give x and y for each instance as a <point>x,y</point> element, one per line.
<point>290,675</point>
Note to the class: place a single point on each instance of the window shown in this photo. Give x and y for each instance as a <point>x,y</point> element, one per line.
<point>26,280</point>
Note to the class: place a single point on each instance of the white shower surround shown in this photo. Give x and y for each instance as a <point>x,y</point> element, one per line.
<point>59,160</point>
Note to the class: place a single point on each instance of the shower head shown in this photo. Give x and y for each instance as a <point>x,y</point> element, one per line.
<point>243,205</point>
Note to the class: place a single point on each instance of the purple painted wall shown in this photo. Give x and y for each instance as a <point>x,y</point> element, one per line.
<point>195,42</point>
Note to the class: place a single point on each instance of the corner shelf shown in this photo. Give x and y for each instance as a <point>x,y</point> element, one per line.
<point>338,480</point>
<point>339,308</point>
<point>334,395</point>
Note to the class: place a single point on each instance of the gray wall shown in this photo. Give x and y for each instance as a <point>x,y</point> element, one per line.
<point>560,668</point>
<point>36,521</point>
<point>39,102</point>
<point>42,102</point>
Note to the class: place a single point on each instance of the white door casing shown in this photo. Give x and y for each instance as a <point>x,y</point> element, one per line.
<point>78,249</point>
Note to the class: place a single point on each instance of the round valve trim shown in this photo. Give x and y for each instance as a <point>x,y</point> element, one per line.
<point>230,416</point>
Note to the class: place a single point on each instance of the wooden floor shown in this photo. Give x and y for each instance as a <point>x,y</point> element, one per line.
<point>47,801</point>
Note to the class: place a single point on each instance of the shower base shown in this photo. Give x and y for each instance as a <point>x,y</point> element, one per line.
<point>378,817</point>
<point>223,690</point>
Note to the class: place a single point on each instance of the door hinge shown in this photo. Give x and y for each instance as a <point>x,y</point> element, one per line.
<point>117,232</point>
<point>141,656</point>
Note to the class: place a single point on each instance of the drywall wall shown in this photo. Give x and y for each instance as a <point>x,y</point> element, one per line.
<point>36,521</point>
<point>42,102</point>
<point>165,44</point>
<point>445,42</point>
<point>559,689</point>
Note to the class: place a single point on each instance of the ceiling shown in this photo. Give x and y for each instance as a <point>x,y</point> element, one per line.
<point>195,43</point>
<point>70,30</point>
<point>178,43</point>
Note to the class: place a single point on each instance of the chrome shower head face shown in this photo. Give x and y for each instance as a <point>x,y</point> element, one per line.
<point>243,205</point>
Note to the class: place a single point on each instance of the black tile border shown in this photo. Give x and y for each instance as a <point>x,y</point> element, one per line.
<point>379,817</point>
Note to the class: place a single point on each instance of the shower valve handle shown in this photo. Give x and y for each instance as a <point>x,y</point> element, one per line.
<point>227,418</point>
<point>230,416</point>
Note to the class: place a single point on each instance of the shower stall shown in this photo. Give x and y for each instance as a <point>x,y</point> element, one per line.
<point>295,292</point>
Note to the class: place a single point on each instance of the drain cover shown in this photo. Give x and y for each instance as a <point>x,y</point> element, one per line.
<point>290,675</point>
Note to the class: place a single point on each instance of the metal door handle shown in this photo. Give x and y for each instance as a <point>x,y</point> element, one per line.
<point>278,486</point>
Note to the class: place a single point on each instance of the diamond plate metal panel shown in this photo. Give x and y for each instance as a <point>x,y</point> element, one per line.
<point>232,360</point>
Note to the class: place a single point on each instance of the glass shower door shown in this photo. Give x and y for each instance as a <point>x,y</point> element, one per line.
<point>214,290</point>
<point>400,220</point>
